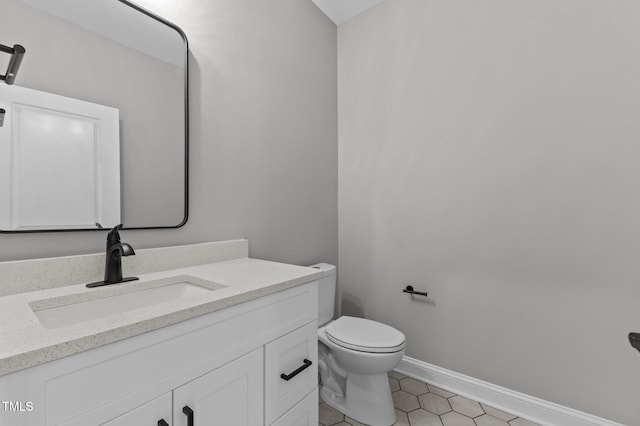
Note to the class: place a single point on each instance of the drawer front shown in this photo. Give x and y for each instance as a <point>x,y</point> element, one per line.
<point>291,370</point>
<point>304,413</point>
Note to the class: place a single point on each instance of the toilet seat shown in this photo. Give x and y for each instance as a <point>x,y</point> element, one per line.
<point>364,335</point>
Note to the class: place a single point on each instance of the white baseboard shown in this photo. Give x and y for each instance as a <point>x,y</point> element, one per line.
<point>528,407</point>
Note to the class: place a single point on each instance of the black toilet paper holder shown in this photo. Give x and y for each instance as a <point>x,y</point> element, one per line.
<point>409,289</point>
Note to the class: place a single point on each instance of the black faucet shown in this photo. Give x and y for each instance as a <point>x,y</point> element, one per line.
<point>113,261</point>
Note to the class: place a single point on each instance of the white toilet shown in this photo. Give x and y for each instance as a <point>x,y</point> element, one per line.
<point>354,357</point>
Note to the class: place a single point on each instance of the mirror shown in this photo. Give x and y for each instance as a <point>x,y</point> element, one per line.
<point>95,128</point>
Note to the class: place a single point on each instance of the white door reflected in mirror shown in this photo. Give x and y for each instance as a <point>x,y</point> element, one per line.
<point>109,52</point>
<point>59,162</point>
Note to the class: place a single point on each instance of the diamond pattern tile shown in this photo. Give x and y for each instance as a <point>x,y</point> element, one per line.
<point>422,404</point>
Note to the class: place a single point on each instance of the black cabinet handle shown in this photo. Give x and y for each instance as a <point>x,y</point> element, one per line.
<point>300,369</point>
<point>161,422</point>
<point>189,413</point>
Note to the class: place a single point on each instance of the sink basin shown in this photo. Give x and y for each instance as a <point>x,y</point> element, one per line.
<point>90,305</point>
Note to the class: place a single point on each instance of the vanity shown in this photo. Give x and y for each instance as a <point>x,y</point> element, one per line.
<point>230,342</point>
<point>206,335</point>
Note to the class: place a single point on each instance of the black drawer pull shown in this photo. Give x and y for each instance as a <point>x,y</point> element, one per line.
<point>300,369</point>
<point>162,422</point>
<point>189,412</point>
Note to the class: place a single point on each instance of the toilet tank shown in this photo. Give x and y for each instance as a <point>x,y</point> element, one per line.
<point>326,293</point>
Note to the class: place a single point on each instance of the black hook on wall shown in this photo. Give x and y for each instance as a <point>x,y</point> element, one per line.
<point>17,53</point>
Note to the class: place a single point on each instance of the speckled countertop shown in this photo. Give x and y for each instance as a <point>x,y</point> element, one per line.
<point>25,342</point>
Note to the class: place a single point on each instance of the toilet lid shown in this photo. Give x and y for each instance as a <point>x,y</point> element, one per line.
<point>365,335</point>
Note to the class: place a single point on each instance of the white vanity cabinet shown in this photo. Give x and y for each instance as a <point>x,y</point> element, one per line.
<point>226,366</point>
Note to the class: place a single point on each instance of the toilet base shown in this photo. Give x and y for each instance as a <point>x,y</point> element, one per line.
<point>368,399</point>
<point>331,400</point>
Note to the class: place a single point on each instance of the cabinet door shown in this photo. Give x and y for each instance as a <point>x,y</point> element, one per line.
<point>149,414</point>
<point>304,413</point>
<point>230,395</point>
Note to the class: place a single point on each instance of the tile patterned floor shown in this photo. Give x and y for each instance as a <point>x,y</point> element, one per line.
<point>422,404</point>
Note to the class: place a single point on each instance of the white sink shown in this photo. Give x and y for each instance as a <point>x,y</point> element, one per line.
<point>105,302</point>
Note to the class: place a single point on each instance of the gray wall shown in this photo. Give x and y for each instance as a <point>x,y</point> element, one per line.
<point>264,136</point>
<point>488,153</point>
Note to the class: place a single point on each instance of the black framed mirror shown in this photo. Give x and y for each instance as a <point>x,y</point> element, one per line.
<point>96,123</point>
